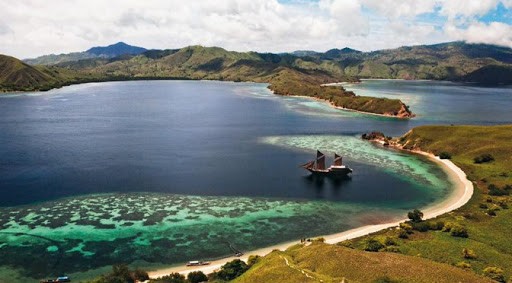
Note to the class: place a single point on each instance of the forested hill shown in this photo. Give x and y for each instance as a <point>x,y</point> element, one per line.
<point>110,51</point>
<point>16,75</point>
<point>455,61</point>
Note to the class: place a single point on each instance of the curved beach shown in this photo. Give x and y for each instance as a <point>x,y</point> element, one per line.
<point>461,194</point>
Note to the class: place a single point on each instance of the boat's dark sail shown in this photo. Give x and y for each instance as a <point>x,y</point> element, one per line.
<point>308,165</point>
<point>320,160</point>
<point>317,167</point>
<point>338,160</point>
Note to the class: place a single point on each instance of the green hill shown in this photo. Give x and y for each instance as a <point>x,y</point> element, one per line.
<point>16,75</point>
<point>320,262</point>
<point>487,217</point>
<point>446,61</point>
<point>286,74</point>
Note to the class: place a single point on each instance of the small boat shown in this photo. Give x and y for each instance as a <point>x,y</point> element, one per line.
<point>197,263</point>
<point>317,166</point>
<point>59,279</point>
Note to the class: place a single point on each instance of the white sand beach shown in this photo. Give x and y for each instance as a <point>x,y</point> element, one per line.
<point>462,192</point>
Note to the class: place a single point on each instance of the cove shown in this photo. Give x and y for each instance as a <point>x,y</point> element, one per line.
<point>162,172</point>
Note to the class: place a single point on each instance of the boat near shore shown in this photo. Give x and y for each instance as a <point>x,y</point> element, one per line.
<point>317,166</point>
<point>197,263</point>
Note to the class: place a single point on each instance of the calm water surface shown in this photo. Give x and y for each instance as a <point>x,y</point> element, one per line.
<point>162,172</point>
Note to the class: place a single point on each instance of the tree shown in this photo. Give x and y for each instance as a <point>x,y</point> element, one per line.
<point>140,275</point>
<point>253,259</point>
<point>231,270</point>
<point>120,274</point>
<point>445,155</point>
<point>196,277</point>
<point>459,231</point>
<point>483,158</point>
<point>468,254</point>
<point>373,245</point>
<point>171,278</point>
<point>495,273</point>
<point>415,215</point>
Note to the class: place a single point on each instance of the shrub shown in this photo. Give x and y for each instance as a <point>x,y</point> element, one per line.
<point>463,264</point>
<point>321,240</point>
<point>484,158</point>
<point>196,277</point>
<point>415,215</point>
<point>120,273</point>
<point>384,279</point>
<point>495,273</point>
<point>407,227</point>
<point>445,155</point>
<point>389,241</point>
<point>171,278</point>
<point>468,254</point>
<point>402,234</point>
<point>491,212</point>
<point>436,226</point>
<point>459,231</point>
<point>392,249</point>
<point>373,245</point>
<point>231,270</point>
<point>420,226</point>
<point>448,227</point>
<point>503,204</point>
<point>253,259</point>
<point>495,191</point>
<point>483,206</point>
<point>140,275</point>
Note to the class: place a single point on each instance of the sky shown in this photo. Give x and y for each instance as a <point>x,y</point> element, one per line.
<point>30,28</point>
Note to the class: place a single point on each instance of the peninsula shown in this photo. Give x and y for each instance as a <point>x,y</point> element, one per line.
<point>466,244</point>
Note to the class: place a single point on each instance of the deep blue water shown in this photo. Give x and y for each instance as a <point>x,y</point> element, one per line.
<point>201,138</point>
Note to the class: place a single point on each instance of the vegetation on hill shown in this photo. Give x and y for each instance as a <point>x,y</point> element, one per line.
<point>111,51</point>
<point>16,75</point>
<point>321,262</point>
<point>476,236</point>
<point>456,61</point>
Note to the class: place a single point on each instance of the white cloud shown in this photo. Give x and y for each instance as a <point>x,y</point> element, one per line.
<point>492,33</point>
<point>467,8</point>
<point>34,27</point>
<point>395,9</point>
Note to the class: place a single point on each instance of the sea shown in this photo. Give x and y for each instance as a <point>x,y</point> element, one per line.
<point>157,173</point>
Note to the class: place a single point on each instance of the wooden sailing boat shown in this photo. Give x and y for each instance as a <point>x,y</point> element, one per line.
<point>317,166</point>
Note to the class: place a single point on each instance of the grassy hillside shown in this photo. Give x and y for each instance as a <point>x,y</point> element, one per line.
<point>487,217</point>
<point>16,75</point>
<point>436,255</point>
<point>448,61</point>
<point>320,262</point>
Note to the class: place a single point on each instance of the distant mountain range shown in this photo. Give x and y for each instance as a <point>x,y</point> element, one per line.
<point>110,51</point>
<point>297,73</point>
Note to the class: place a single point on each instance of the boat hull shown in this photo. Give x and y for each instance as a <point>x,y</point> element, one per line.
<point>341,172</point>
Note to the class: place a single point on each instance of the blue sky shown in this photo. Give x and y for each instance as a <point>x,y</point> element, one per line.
<point>31,28</point>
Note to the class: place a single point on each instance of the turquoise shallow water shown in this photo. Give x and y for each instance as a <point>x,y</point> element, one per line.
<point>82,235</point>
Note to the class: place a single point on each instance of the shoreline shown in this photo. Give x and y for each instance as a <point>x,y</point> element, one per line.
<point>461,194</point>
<point>348,109</point>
